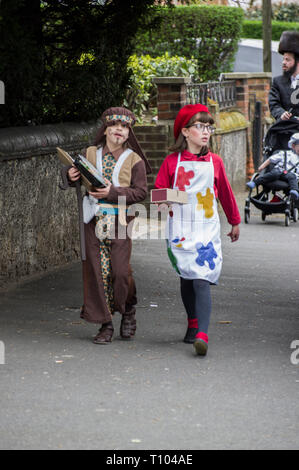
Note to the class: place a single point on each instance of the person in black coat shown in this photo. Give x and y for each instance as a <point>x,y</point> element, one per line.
<point>284,92</point>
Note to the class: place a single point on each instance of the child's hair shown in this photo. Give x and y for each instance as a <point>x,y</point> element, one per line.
<point>181,143</point>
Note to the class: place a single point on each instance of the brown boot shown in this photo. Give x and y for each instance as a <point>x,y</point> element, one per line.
<point>128,326</point>
<point>105,334</point>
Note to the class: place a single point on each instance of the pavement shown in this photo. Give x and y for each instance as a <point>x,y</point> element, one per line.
<point>60,391</point>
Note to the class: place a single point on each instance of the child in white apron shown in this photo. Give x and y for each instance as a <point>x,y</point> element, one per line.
<point>193,229</point>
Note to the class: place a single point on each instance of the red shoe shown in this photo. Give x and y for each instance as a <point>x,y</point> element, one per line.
<point>190,335</point>
<point>201,344</point>
<point>192,331</point>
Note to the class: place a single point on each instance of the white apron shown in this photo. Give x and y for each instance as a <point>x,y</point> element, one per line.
<point>193,229</point>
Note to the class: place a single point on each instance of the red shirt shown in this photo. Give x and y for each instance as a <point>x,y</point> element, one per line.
<point>222,188</point>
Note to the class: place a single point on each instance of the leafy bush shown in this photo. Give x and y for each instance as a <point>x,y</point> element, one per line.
<point>210,34</point>
<point>280,12</point>
<point>286,12</point>
<point>141,92</point>
<point>253,29</point>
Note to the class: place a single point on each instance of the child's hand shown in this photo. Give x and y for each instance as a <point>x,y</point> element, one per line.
<point>101,193</point>
<point>234,233</point>
<point>73,174</point>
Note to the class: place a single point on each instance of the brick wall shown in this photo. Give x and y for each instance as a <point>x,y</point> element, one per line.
<point>154,140</point>
<point>251,87</point>
<point>172,96</point>
<point>251,84</point>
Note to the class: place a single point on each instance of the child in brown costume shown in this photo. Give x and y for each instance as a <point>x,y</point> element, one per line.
<point>107,276</point>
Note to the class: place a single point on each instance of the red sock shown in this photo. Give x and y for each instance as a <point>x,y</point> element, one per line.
<point>203,336</point>
<point>192,323</point>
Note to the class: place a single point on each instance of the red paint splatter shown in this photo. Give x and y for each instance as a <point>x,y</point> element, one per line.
<point>183,178</point>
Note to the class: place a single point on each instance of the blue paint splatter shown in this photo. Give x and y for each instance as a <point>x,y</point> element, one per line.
<point>206,253</point>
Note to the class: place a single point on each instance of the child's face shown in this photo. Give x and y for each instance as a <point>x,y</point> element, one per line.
<point>296,148</point>
<point>116,134</point>
<point>197,135</point>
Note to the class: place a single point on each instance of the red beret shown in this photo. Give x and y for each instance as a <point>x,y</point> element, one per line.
<point>185,114</point>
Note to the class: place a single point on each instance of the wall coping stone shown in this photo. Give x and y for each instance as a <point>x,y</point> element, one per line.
<point>24,142</point>
<point>28,141</point>
<point>231,121</point>
<point>236,75</point>
<point>171,80</point>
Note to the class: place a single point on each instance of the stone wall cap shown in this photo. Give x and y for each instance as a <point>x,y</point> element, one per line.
<point>171,80</point>
<point>20,142</point>
<point>236,75</point>
<point>232,121</point>
<point>165,122</point>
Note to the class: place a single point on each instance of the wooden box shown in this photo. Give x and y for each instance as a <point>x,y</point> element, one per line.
<point>169,196</point>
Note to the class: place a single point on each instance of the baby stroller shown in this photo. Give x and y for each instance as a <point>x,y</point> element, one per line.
<point>274,197</point>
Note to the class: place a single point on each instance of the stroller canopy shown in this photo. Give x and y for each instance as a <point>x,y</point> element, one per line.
<point>279,134</point>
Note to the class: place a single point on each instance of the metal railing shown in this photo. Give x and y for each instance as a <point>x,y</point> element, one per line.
<point>223,92</point>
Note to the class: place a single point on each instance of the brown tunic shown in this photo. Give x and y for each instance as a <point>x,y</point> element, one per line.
<point>133,185</point>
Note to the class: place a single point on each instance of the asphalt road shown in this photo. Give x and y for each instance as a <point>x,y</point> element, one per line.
<point>249,57</point>
<point>60,391</point>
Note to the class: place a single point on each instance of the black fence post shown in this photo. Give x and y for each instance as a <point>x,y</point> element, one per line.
<point>257,135</point>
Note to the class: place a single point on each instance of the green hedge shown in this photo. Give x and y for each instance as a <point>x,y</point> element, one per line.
<point>141,93</point>
<point>209,34</point>
<point>253,29</point>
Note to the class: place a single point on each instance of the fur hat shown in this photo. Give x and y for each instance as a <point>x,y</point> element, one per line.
<point>289,42</point>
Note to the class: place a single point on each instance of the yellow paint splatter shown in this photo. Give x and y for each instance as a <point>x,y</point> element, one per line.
<point>206,203</point>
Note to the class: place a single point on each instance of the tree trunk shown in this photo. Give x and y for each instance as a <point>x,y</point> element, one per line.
<point>267,36</point>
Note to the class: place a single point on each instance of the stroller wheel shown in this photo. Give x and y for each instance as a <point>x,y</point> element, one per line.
<point>263,216</point>
<point>295,214</point>
<point>287,219</point>
<point>246,216</point>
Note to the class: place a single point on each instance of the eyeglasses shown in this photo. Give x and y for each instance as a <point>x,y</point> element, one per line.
<point>202,127</point>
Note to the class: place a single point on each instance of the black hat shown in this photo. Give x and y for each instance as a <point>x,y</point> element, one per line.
<point>289,42</point>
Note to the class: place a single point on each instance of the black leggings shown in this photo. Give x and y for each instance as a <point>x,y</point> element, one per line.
<point>196,296</point>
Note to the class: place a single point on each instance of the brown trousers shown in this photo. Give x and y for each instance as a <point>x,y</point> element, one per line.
<point>95,309</point>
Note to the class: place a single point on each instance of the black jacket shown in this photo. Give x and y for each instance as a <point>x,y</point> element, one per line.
<point>280,97</point>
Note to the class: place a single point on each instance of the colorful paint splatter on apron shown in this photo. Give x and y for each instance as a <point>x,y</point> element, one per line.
<point>193,229</point>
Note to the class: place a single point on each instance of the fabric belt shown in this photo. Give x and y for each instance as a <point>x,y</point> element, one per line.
<point>105,208</point>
